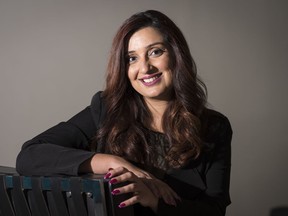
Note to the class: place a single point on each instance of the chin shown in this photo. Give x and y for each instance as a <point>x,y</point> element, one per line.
<point>155,96</point>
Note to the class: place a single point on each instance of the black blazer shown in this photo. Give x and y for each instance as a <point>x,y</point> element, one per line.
<point>203,184</point>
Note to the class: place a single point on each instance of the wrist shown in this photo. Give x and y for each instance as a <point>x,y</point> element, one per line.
<point>85,167</point>
<point>100,163</point>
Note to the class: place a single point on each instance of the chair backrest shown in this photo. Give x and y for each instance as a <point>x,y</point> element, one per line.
<point>88,195</point>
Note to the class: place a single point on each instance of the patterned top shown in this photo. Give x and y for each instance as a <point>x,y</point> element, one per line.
<point>160,147</point>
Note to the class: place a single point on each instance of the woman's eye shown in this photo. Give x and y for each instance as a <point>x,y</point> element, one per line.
<point>156,52</point>
<point>131,59</point>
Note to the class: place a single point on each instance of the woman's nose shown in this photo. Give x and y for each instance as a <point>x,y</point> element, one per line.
<point>144,66</point>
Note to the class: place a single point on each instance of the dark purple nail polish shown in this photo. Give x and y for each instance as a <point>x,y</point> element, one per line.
<point>115,191</point>
<point>107,175</point>
<point>113,181</point>
<point>122,205</point>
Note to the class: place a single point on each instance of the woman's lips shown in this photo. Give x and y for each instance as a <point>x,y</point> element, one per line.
<point>151,80</point>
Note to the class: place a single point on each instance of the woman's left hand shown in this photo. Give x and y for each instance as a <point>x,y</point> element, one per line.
<point>162,190</point>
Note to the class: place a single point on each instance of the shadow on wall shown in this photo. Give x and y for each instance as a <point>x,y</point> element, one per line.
<point>279,211</point>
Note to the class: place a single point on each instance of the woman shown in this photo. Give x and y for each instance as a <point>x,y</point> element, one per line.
<point>150,126</point>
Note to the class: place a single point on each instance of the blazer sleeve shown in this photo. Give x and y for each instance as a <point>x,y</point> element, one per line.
<point>216,176</point>
<point>62,148</point>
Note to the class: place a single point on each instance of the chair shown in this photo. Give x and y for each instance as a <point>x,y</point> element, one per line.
<point>87,195</point>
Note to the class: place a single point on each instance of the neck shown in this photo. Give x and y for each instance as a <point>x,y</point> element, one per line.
<point>157,109</point>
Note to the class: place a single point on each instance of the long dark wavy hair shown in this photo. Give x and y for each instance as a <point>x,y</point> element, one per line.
<point>124,128</point>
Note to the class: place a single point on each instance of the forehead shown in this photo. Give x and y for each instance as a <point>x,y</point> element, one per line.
<point>143,38</point>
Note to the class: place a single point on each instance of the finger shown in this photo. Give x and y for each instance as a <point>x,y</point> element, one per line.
<point>169,196</point>
<point>173,194</point>
<point>169,199</point>
<point>169,192</point>
<point>131,201</point>
<point>114,172</point>
<point>130,188</point>
<point>154,189</point>
<point>176,196</point>
<point>122,177</point>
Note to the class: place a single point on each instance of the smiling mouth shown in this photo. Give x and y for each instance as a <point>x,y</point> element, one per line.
<point>151,80</point>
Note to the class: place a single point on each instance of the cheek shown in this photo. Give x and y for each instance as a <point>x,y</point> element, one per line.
<point>131,74</point>
<point>164,64</point>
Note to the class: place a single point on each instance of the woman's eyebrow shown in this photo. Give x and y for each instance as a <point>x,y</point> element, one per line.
<point>147,47</point>
<point>153,44</point>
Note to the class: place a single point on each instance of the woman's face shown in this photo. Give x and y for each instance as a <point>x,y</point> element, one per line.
<point>149,67</point>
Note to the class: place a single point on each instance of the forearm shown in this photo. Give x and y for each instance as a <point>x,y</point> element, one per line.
<point>100,164</point>
<point>60,149</point>
<point>50,159</point>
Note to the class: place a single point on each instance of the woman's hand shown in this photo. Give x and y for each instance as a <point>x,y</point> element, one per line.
<point>146,191</point>
<point>141,193</point>
<point>162,190</point>
<point>100,163</point>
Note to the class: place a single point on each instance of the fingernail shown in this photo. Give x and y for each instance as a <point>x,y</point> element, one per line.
<point>173,203</point>
<point>107,175</point>
<point>115,191</point>
<point>113,181</point>
<point>122,205</point>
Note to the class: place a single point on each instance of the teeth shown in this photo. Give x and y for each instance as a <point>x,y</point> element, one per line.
<point>150,79</point>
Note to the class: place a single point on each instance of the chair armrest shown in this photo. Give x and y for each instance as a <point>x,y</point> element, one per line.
<point>58,195</point>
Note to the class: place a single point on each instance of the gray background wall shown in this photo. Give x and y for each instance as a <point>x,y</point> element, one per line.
<point>53,56</point>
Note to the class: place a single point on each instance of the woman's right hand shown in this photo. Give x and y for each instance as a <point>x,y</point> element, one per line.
<point>101,163</point>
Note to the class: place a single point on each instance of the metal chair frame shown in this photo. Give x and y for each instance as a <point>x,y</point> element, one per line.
<point>87,195</point>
